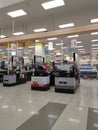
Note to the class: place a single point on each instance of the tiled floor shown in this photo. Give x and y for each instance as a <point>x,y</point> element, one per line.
<point>19,103</point>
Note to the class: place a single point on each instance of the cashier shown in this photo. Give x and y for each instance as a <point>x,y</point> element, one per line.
<point>55,68</point>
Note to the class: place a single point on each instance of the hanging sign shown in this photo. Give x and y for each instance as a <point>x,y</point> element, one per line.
<point>73,43</point>
<point>50,45</point>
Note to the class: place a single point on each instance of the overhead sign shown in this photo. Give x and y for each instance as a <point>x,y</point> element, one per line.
<point>50,45</point>
<point>85,55</point>
<point>73,43</point>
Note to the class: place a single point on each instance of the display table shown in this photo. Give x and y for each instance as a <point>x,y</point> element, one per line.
<point>40,83</point>
<point>66,84</point>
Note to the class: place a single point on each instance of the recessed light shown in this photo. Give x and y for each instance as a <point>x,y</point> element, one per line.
<point>66,25</point>
<point>2,36</point>
<point>94,20</point>
<point>17,13</point>
<point>52,4</point>
<point>94,33</point>
<point>18,33</point>
<point>50,39</point>
<point>72,36</point>
<point>95,40</point>
<point>40,30</point>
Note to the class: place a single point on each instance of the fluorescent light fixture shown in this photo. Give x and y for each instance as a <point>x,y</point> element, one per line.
<point>58,44</point>
<point>0,49</point>
<point>96,125</point>
<point>17,13</point>
<point>95,45</point>
<point>18,33</point>
<point>40,30</point>
<point>66,25</point>
<point>52,4</point>
<point>94,33</point>
<point>46,45</point>
<point>79,46</point>
<point>2,36</point>
<point>72,36</point>
<point>95,111</point>
<point>95,48</point>
<point>81,49</point>
<point>19,110</point>
<point>94,20</point>
<point>50,39</point>
<point>2,52</point>
<point>31,46</point>
<point>20,48</point>
<point>64,47</point>
<point>78,42</point>
<point>4,106</point>
<point>51,53</point>
<point>37,40</point>
<point>29,50</point>
<point>95,40</point>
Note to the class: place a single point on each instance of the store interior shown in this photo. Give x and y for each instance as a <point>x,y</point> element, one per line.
<point>49,65</point>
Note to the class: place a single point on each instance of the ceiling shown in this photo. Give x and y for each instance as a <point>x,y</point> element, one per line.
<point>77,11</point>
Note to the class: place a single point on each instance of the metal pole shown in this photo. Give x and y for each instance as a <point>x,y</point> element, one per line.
<point>8,59</point>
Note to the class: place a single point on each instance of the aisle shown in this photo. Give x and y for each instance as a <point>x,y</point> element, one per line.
<point>19,103</point>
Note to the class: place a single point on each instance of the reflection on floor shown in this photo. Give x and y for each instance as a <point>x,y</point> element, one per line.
<point>45,119</point>
<point>18,104</point>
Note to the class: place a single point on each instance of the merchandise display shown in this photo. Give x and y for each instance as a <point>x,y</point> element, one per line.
<point>88,71</point>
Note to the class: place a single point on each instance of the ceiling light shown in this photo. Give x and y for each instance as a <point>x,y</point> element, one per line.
<point>29,50</point>
<point>19,48</point>
<point>94,20</point>
<point>66,25</point>
<point>31,47</point>
<point>96,125</point>
<point>95,40</point>
<point>72,36</point>
<point>37,40</point>
<point>79,46</point>
<point>19,110</point>
<point>2,36</point>
<point>0,49</point>
<point>58,44</point>
<point>95,45</point>
<point>95,48</point>
<point>17,13</point>
<point>81,49</point>
<point>94,33</point>
<point>64,47</point>
<point>49,39</point>
<point>78,42</point>
<point>40,30</point>
<point>52,4</point>
<point>46,45</point>
<point>18,33</point>
<point>4,106</point>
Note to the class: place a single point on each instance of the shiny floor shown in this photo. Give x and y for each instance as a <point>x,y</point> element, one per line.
<point>18,104</point>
